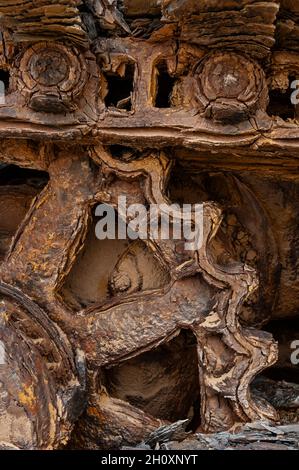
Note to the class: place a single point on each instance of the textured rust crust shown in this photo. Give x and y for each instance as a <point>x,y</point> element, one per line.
<point>163,102</point>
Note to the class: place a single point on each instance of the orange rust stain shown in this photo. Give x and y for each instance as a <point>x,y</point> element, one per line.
<point>93,411</point>
<point>28,399</point>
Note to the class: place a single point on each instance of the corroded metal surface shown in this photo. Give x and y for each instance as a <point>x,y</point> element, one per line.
<point>163,102</point>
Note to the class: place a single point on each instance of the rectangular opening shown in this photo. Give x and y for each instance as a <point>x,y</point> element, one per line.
<point>164,87</point>
<point>280,103</point>
<point>4,85</point>
<point>120,88</point>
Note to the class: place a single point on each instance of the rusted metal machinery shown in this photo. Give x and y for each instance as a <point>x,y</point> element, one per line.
<point>170,101</point>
